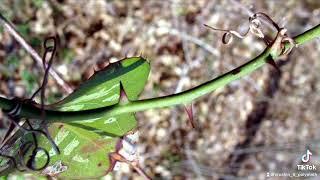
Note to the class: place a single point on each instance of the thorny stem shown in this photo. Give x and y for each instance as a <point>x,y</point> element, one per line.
<point>10,28</point>
<point>33,111</point>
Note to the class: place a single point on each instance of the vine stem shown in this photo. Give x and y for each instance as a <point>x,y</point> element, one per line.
<point>33,111</point>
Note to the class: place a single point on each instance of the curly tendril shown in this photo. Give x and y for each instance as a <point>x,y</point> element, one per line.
<point>254,28</point>
<point>13,114</point>
<point>228,35</point>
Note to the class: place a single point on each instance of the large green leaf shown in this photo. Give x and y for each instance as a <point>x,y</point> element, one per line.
<point>85,145</point>
<point>103,88</point>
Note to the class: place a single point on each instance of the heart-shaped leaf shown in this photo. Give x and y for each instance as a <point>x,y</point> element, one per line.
<point>85,145</point>
<point>103,88</point>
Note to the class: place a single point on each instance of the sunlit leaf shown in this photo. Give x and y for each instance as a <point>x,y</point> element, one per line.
<point>103,88</point>
<point>85,145</point>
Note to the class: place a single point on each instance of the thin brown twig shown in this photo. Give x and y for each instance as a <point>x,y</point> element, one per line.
<point>10,28</point>
<point>207,47</point>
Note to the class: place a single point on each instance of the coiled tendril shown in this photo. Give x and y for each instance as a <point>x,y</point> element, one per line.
<point>254,28</point>
<point>13,114</point>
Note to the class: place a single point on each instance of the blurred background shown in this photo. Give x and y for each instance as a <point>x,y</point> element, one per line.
<point>261,123</point>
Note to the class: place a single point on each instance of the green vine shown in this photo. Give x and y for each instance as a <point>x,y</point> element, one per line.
<point>93,119</point>
<point>34,110</point>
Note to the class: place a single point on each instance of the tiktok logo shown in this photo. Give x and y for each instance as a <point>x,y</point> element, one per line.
<point>306,157</point>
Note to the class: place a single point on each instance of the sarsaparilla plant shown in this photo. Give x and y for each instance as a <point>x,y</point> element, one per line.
<point>86,128</point>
